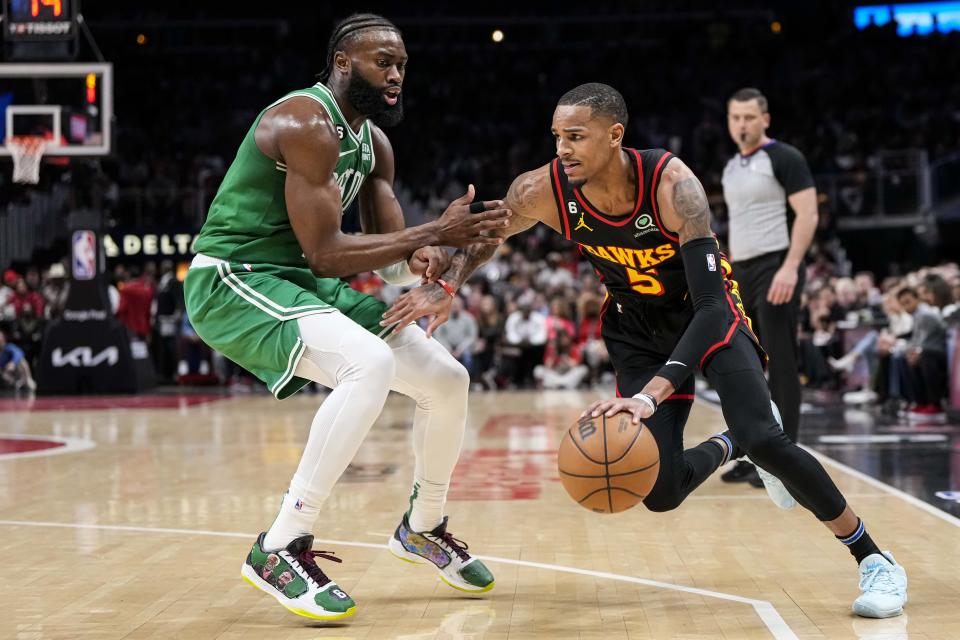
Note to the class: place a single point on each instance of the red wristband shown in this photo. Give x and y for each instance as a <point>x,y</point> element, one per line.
<point>446,287</point>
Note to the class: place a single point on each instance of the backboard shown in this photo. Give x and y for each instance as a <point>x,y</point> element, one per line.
<point>70,104</point>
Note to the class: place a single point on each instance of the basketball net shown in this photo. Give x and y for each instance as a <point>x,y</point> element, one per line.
<point>26,152</point>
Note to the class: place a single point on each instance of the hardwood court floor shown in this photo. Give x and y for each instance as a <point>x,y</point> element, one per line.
<point>143,535</point>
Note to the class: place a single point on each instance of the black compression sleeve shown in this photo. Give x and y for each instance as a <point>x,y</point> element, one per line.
<point>711,319</point>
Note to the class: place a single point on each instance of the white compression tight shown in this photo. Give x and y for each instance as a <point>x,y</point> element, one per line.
<point>361,369</point>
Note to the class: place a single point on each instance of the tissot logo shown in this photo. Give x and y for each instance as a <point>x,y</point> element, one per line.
<point>83,357</point>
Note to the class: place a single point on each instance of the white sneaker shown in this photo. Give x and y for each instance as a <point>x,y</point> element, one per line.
<point>884,586</point>
<point>775,489</point>
<point>845,363</point>
<point>864,396</point>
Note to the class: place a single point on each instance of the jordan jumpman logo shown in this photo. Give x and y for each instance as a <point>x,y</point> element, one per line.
<point>582,224</point>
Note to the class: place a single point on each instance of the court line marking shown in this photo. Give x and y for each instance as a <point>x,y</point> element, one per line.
<point>765,610</point>
<point>859,475</point>
<point>70,445</point>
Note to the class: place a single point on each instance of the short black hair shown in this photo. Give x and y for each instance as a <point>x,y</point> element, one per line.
<point>749,93</point>
<point>601,98</point>
<point>347,28</point>
<point>907,291</point>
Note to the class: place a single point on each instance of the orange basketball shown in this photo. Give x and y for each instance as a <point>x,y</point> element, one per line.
<point>608,464</point>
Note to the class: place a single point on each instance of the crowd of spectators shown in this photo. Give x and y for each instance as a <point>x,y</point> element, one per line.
<point>835,92</point>
<point>531,317</point>
<point>890,344</point>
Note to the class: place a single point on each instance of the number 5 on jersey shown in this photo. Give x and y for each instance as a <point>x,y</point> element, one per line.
<point>645,283</point>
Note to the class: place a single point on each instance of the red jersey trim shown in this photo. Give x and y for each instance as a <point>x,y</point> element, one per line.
<point>558,196</point>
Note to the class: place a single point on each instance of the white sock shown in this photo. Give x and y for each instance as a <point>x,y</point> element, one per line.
<point>294,520</point>
<point>426,504</point>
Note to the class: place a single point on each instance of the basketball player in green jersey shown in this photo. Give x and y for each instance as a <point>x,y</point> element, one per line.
<point>264,290</point>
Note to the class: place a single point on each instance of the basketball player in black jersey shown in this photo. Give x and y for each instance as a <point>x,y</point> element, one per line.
<point>641,218</point>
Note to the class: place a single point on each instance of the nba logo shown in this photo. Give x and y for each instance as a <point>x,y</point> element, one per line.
<point>298,505</point>
<point>84,255</point>
<point>711,262</point>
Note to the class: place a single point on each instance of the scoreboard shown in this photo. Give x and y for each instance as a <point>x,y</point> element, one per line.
<point>39,20</point>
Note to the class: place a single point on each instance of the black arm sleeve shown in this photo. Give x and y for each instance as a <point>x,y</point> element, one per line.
<point>712,316</point>
<point>790,168</point>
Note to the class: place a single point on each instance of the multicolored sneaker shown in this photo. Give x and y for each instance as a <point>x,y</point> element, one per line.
<point>292,576</point>
<point>445,552</point>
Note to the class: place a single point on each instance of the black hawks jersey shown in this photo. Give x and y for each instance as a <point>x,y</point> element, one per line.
<point>634,255</point>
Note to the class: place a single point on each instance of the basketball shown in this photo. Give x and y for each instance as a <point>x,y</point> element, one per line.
<point>608,464</point>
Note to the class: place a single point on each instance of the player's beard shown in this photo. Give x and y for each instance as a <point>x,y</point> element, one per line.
<point>368,100</point>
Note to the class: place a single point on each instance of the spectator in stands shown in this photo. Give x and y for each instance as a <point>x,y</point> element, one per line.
<point>935,292</point>
<point>169,309</point>
<point>23,296</point>
<point>7,312</point>
<point>28,333</point>
<point>819,339</point>
<point>951,312</point>
<point>867,289</point>
<point>490,326</point>
<point>555,276</point>
<point>14,368</point>
<point>459,334</point>
<point>589,340</point>
<point>136,301</point>
<point>559,318</point>
<point>526,340</point>
<point>562,366</point>
<point>32,278</point>
<point>55,291</point>
<point>926,354</point>
<point>867,356</point>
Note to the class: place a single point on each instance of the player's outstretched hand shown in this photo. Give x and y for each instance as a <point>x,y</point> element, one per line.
<point>429,300</point>
<point>464,224</point>
<point>429,262</point>
<point>640,410</point>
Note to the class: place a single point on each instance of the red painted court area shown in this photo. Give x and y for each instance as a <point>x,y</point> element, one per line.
<point>516,471</point>
<point>11,445</point>
<point>81,403</point>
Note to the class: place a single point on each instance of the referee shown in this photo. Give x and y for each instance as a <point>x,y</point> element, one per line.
<point>758,184</point>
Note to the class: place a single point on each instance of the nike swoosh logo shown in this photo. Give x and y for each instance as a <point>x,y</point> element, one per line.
<point>343,153</point>
<point>676,362</point>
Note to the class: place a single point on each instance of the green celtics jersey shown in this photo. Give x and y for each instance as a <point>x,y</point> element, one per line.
<point>248,221</point>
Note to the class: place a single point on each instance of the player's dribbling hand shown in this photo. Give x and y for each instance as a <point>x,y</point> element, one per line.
<point>640,410</point>
<point>428,300</point>
<point>464,224</point>
<point>429,262</point>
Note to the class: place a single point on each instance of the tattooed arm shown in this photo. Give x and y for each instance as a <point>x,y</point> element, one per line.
<point>531,200</point>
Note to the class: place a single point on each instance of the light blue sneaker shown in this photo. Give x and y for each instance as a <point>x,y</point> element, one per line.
<point>884,586</point>
<point>775,489</point>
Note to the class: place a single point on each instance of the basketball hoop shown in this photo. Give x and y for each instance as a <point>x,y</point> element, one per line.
<point>26,152</point>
